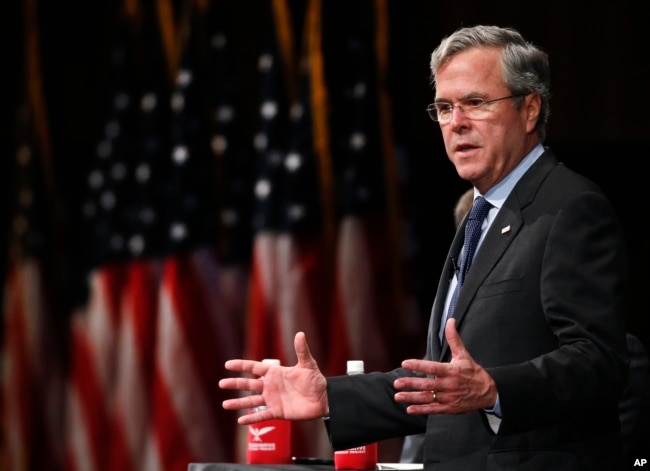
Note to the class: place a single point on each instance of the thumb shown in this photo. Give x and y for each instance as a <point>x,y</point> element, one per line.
<point>305,359</point>
<point>456,345</point>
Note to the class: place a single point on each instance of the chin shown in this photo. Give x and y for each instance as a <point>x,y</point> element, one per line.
<point>465,174</point>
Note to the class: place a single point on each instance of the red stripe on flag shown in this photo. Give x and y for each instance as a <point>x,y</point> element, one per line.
<point>290,285</point>
<point>32,373</point>
<point>18,384</point>
<point>261,304</point>
<point>93,343</point>
<point>289,293</point>
<point>365,311</point>
<point>135,355</point>
<point>196,333</point>
<point>303,299</point>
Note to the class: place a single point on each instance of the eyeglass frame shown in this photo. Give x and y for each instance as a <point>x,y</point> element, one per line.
<point>431,108</point>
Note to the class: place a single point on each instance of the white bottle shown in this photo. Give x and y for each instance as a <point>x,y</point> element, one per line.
<point>361,457</point>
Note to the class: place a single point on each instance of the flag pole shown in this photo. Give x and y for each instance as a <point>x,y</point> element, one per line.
<point>319,106</point>
<point>393,200</point>
<point>131,9</point>
<point>36,99</point>
<point>169,34</point>
<point>284,34</point>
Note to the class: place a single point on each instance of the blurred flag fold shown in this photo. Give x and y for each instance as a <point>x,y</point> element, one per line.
<point>33,340</point>
<point>209,234</point>
<point>33,322</point>
<point>164,309</point>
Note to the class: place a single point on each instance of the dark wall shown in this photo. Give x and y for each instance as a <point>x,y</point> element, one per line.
<point>599,123</point>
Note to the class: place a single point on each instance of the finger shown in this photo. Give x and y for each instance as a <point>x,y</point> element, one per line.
<point>456,345</point>
<point>305,359</point>
<point>246,402</point>
<point>242,384</point>
<point>255,417</point>
<point>427,367</point>
<point>427,409</point>
<point>414,383</point>
<point>256,368</point>
<point>418,397</point>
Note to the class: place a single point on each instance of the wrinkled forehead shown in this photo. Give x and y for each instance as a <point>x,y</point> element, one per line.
<point>473,72</point>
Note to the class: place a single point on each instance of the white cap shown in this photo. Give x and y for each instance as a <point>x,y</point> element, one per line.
<point>271,361</point>
<point>355,366</point>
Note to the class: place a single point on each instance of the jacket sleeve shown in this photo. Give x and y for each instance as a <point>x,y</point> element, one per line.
<point>362,410</point>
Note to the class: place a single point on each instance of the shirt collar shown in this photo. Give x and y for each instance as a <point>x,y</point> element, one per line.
<point>499,192</point>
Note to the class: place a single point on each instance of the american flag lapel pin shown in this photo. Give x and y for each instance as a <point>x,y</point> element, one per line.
<point>505,230</point>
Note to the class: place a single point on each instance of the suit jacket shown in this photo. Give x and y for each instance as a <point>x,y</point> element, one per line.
<point>543,310</point>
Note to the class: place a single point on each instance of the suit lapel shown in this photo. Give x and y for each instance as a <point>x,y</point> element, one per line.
<point>443,287</point>
<point>501,233</point>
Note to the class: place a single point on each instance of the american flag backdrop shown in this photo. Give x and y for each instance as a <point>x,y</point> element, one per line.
<point>366,310</point>
<point>291,265</point>
<point>210,231</point>
<point>32,348</point>
<point>121,221</point>
<point>33,353</point>
<point>201,316</point>
<point>288,248</point>
<point>322,211</point>
<point>374,309</point>
<point>164,310</point>
<point>322,258</point>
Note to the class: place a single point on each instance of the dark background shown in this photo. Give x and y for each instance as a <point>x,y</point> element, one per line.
<point>599,123</point>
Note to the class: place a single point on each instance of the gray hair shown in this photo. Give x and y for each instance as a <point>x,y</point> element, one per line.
<point>525,66</point>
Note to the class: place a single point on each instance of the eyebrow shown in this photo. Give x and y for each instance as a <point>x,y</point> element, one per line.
<point>467,96</point>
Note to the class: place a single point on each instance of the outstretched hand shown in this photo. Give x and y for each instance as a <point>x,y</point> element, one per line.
<point>293,393</point>
<point>459,386</point>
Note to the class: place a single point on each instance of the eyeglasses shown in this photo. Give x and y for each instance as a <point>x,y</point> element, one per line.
<point>472,108</point>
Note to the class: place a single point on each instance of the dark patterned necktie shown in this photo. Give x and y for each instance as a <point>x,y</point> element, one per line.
<point>477,214</point>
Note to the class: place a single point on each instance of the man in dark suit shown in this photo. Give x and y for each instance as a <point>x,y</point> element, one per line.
<point>633,405</point>
<point>527,370</point>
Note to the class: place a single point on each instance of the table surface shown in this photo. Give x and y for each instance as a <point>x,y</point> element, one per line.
<point>257,467</point>
<point>290,467</point>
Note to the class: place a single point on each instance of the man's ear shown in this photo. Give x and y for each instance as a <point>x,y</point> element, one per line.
<point>532,105</point>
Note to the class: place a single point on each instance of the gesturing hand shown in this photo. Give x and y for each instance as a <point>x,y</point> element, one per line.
<point>456,387</point>
<point>292,393</point>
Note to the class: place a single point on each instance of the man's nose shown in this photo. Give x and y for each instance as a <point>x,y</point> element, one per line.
<point>458,117</point>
